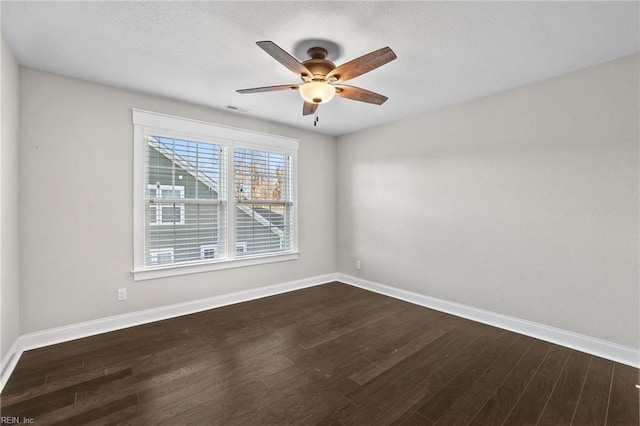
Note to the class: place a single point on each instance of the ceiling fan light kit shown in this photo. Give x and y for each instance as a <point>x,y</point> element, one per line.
<point>317,92</point>
<point>322,79</point>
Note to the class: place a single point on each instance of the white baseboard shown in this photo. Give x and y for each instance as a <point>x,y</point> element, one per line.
<point>602,348</point>
<point>9,362</point>
<point>89,328</point>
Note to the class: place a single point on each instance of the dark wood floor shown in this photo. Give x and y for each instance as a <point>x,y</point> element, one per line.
<point>333,355</point>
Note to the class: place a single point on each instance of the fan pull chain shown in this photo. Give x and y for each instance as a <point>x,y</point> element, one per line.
<point>315,119</point>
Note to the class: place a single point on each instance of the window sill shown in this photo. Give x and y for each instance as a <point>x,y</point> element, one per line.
<point>194,268</point>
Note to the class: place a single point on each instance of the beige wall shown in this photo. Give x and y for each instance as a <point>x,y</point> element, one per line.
<point>76,201</point>
<point>524,203</point>
<point>9,243</point>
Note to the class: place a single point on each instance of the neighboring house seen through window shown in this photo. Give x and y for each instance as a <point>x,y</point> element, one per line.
<point>210,251</point>
<point>214,197</point>
<point>163,211</point>
<point>161,256</point>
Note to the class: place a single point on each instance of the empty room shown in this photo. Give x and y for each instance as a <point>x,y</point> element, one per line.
<point>337,213</point>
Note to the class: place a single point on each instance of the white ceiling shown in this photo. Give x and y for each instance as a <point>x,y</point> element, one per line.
<point>202,52</point>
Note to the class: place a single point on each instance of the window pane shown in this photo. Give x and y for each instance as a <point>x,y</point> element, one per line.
<point>264,228</point>
<point>259,175</point>
<point>187,171</point>
<point>263,192</point>
<point>171,214</point>
<point>172,193</point>
<point>201,227</point>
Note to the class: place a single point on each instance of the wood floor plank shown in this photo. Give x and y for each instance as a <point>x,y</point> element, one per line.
<point>346,323</point>
<point>407,327</point>
<point>297,407</point>
<point>564,398</point>
<point>446,397</point>
<point>624,402</point>
<point>394,358</point>
<point>200,400</point>
<point>332,355</point>
<point>532,401</point>
<point>100,411</point>
<point>497,408</point>
<point>412,368</point>
<point>400,400</point>
<point>453,418</point>
<point>157,368</point>
<point>37,408</point>
<point>592,405</point>
<point>554,362</point>
<point>120,417</point>
<point>55,398</point>
<point>24,372</point>
<point>477,395</point>
<point>15,386</point>
<point>500,405</point>
<point>63,352</point>
<point>449,369</point>
<point>64,381</point>
<point>394,393</point>
<point>412,418</point>
<point>305,399</point>
<point>527,367</point>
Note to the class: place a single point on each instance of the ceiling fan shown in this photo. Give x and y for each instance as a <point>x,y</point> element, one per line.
<point>322,79</point>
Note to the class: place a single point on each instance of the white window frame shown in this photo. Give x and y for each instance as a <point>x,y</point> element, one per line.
<point>160,201</point>
<point>149,123</point>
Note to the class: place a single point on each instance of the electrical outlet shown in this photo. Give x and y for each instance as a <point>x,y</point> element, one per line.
<point>357,264</point>
<point>122,294</point>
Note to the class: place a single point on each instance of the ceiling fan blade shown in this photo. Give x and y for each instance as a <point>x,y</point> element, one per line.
<point>308,108</point>
<point>269,88</point>
<point>358,94</point>
<point>361,65</point>
<point>285,59</point>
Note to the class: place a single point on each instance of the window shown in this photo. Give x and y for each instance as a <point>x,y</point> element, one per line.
<point>161,212</point>
<point>210,197</point>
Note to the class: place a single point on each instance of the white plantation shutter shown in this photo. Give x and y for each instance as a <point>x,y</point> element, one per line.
<point>185,202</point>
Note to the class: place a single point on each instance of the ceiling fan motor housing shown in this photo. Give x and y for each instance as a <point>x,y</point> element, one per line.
<point>318,64</point>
